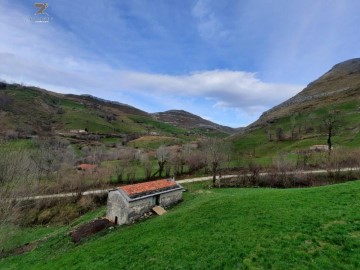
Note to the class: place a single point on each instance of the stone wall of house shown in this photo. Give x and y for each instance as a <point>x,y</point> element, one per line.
<point>138,208</point>
<point>128,212</point>
<point>168,199</point>
<point>117,206</point>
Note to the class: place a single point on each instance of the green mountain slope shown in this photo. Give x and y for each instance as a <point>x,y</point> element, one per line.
<point>188,120</point>
<point>298,123</point>
<point>340,84</point>
<point>29,111</point>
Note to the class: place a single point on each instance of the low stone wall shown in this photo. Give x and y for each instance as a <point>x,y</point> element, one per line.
<point>170,198</point>
<point>138,208</point>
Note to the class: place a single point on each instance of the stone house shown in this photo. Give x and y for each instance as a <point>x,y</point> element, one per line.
<point>131,202</point>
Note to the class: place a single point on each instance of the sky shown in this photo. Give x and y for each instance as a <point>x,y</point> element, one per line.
<point>226,61</point>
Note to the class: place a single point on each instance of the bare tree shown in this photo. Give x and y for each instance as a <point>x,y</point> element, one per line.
<point>214,155</point>
<point>144,159</point>
<point>228,150</point>
<point>162,155</point>
<point>49,154</point>
<point>253,173</point>
<point>18,175</point>
<point>130,174</point>
<point>331,123</point>
<point>176,161</point>
<point>97,154</point>
<point>11,135</point>
<point>196,160</point>
<point>186,152</point>
<point>303,157</point>
<point>127,153</point>
<point>126,157</point>
<point>119,171</point>
<point>280,133</point>
<point>167,169</point>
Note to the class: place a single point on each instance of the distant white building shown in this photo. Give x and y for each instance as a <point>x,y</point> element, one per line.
<point>78,131</point>
<point>320,147</point>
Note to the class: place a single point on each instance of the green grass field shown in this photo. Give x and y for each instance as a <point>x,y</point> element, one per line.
<point>153,124</point>
<point>312,131</point>
<point>312,228</point>
<point>18,236</point>
<point>154,142</point>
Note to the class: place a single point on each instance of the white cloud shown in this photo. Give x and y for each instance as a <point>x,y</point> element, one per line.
<point>47,56</point>
<point>232,89</point>
<point>209,26</point>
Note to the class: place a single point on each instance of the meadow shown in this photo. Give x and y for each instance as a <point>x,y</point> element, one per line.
<point>254,228</point>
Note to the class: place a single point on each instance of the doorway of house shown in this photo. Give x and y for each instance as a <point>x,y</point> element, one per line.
<point>156,200</point>
<point>116,220</point>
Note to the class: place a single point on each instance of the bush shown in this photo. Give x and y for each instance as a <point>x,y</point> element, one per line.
<point>57,211</point>
<point>292,180</point>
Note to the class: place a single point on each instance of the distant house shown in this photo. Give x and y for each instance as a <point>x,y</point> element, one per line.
<point>319,147</point>
<point>131,202</point>
<point>86,167</point>
<point>78,131</point>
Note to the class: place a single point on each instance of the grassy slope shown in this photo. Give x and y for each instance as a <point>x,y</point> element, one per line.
<point>347,135</point>
<point>79,117</point>
<point>315,228</point>
<point>31,109</point>
<point>153,142</point>
<point>17,236</point>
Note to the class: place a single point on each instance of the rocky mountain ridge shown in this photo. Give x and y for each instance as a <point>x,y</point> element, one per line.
<point>184,119</point>
<point>340,83</point>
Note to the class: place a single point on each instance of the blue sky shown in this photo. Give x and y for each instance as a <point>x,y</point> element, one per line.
<point>227,61</point>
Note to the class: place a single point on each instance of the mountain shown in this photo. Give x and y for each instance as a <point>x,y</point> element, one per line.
<point>184,119</point>
<point>341,83</point>
<point>28,111</point>
<point>34,111</point>
<point>299,122</point>
<point>125,108</point>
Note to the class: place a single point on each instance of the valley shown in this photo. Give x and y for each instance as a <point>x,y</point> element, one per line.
<point>55,143</point>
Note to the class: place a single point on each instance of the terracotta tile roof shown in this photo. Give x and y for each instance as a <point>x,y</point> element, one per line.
<point>148,187</point>
<point>86,167</point>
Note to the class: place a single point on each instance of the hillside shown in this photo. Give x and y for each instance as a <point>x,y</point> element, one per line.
<point>188,120</point>
<point>338,85</point>
<point>219,229</point>
<point>298,123</point>
<point>29,111</point>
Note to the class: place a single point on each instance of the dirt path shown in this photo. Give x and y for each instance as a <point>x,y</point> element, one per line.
<point>205,178</point>
<point>190,180</point>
